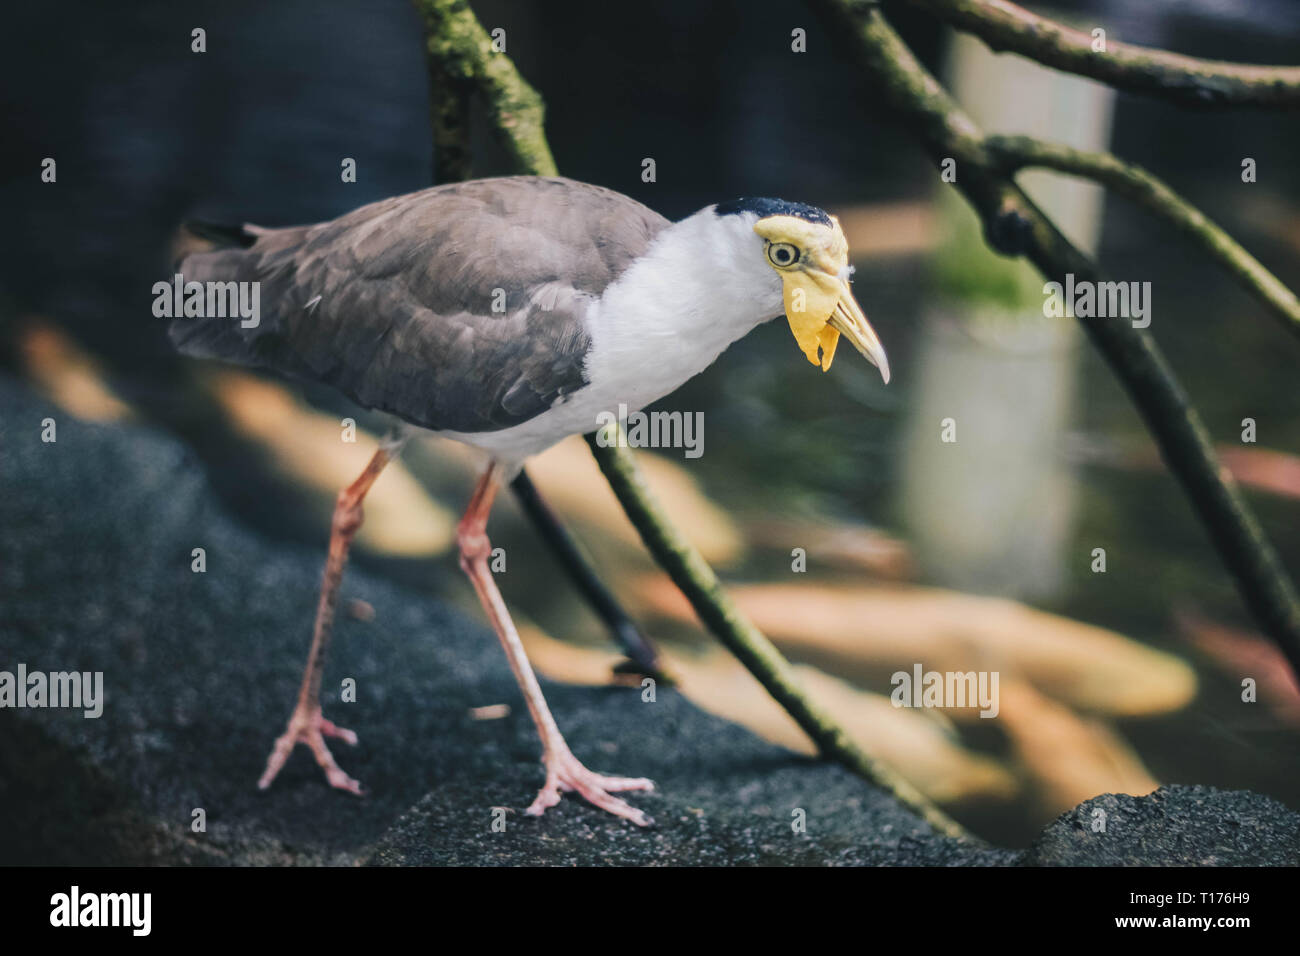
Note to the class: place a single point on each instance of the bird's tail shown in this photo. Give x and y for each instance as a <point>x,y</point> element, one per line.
<point>210,252</point>
<point>196,235</point>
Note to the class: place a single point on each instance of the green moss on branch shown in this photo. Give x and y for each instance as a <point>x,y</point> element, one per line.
<point>462,51</point>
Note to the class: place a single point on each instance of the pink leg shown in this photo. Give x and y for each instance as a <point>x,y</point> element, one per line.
<point>306,724</point>
<point>563,771</point>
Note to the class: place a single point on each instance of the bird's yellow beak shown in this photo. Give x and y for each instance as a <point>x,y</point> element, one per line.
<point>819,303</point>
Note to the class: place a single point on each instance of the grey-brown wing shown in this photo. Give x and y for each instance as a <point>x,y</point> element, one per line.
<point>459,307</point>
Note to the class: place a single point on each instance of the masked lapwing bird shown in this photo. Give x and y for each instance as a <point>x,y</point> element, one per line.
<point>509,314</point>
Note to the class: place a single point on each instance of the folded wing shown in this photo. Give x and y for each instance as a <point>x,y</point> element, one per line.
<point>458,308</point>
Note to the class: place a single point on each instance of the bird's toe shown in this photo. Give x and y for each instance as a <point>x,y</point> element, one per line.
<point>309,727</point>
<point>565,773</point>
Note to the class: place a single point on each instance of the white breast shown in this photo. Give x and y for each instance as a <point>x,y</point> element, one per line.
<point>701,285</point>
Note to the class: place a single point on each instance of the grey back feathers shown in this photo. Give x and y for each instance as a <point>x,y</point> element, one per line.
<point>456,308</point>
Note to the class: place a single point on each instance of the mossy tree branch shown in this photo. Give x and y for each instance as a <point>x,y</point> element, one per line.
<point>1013,153</point>
<point>462,50</point>
<point>1180,79</point>
<point>692,574</point>
<point>1014,225</point>
<point>460,44</point>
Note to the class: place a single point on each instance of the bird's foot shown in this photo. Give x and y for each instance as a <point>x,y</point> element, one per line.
<point>564,772</point>
<point>308,726</point>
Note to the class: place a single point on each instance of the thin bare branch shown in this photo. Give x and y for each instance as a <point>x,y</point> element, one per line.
<point>1187,80</point>
<point>1013,153</point>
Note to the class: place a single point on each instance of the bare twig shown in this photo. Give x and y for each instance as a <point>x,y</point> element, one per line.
<point>642,654</point>
<point>1181,79</point>
<point>1012,153</point>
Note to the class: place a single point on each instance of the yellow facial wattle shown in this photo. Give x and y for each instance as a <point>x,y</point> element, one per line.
<point>810,299</point>
<point>819,305</point>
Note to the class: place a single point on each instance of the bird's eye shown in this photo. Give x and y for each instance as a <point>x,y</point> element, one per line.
<point>782,254</point>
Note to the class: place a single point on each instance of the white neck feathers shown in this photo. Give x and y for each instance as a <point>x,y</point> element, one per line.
<point>701,285</point>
